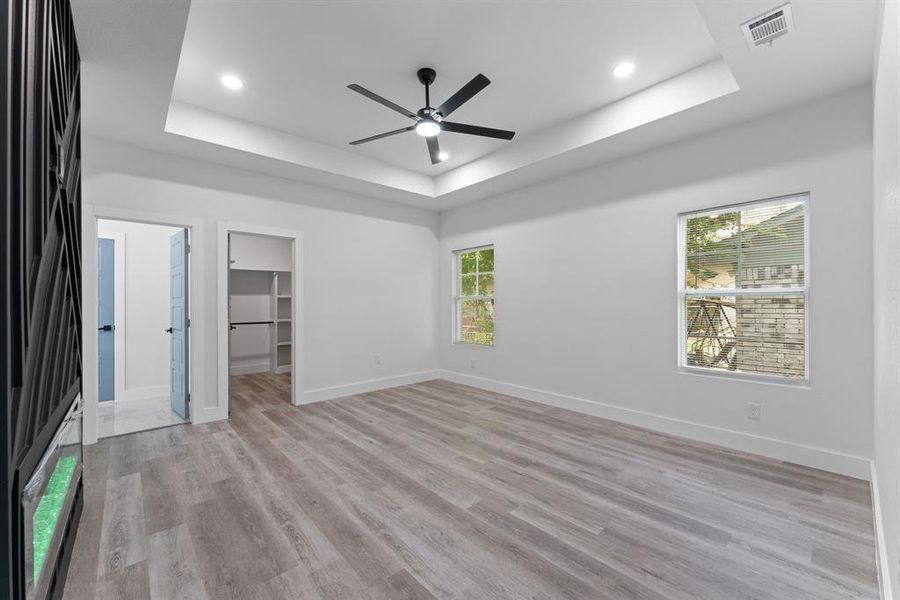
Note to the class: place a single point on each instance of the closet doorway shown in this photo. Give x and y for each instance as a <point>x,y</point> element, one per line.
<point>262,320</point>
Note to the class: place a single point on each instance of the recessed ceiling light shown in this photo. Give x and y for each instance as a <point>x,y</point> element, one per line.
<point>232,82</point>
<point>623,69</point>
<point>428,128</point>
<point>443,156</point>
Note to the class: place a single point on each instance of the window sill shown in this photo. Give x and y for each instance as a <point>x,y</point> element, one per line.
<point>474,345</point>
<point>745,377</point>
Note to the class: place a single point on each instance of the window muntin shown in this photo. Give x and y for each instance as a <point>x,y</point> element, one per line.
<point>474,296</point>
<point>743,289</point>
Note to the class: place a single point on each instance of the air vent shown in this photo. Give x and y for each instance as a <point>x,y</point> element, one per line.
<point>768,27</point>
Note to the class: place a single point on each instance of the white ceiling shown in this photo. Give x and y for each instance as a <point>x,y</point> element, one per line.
<point>150,78</point>
<point>548,62</point>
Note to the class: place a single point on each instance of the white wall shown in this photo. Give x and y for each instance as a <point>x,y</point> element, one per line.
<point>368,273</point>
<point>146,309</point>
<point>586,286</point>
<point>585,265</point>
<point>249,345</point>
<point>886,236</point>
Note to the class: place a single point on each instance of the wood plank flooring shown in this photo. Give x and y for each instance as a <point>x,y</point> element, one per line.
<point>438,490</point>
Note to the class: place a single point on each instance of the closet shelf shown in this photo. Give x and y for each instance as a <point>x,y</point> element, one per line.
<point>246,270</point>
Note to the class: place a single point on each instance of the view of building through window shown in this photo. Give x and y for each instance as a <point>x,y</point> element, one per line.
<point>744,288</point>
<point>475,296</point>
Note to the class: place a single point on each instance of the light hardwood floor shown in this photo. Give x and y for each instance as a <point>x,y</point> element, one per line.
<point>438,490</point>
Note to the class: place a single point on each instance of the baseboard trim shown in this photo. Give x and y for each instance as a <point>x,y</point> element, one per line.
<point>144,393</point>
<point>370,385</point>
<point>247,369</point>
<point>884,569</point>
<point>809,456</point>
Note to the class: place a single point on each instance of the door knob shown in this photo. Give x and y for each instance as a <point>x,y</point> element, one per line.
<point>169,330</point>
<point>105,328</point>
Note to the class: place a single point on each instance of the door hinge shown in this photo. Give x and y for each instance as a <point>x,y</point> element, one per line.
<point>189,398</point>
<point>189,321</point>
<point>189,248</point>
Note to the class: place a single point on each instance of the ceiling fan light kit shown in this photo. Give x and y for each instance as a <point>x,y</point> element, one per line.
<point>428,128</point>
<point>430,121</point>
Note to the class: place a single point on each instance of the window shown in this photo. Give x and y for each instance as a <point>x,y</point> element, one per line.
<point>474,296</point>
<point>744,287</point>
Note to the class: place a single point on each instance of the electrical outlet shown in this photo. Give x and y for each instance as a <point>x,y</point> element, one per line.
<point>377,359</point>
<point>472,363</point>
<point>754,411</point>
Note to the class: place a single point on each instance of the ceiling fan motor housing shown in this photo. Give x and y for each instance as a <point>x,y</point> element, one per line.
<point>429,113</point>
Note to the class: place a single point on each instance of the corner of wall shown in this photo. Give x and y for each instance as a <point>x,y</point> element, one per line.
<point>884,565</point>
<point>886,304</point>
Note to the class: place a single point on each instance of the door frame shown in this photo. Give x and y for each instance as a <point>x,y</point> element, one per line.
<point>297,314</point>
<point>201,412</point>
<point>118,239</point>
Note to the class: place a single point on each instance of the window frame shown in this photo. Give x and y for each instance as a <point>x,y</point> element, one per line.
<point>456,301</point>
<point>683,292</point>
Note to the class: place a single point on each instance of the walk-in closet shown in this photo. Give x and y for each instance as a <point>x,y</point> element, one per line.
<point>260,313</point>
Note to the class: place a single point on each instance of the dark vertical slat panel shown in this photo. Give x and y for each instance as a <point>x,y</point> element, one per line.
<point>33,90</point>
<point>64,349</point>
<point>8,37</point>
<point>40,266</point>
<point>37,334</point>
<point>15,176</point>
<point>45,400</point>
<point>55,388</point>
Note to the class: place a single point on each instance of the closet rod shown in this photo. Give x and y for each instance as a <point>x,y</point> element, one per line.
<point>234,324</point>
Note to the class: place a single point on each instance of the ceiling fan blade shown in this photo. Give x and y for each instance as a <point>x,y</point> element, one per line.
<point>477,130</point>
<point>373,96</point>
<point>465,93</point>
<point>382,135</point>
<point>434,149</point>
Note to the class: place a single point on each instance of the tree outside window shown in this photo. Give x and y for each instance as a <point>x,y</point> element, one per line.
<point>475,296</point>
<point>744,288</point>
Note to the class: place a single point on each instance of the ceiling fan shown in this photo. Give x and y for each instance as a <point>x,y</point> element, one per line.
<point>430,121</point>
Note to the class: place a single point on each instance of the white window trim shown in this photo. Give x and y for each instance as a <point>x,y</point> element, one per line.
<point>683,292</point>
<point>456,297</point>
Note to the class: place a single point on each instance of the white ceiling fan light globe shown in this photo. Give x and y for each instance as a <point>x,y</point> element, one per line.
<point>428,128</point>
